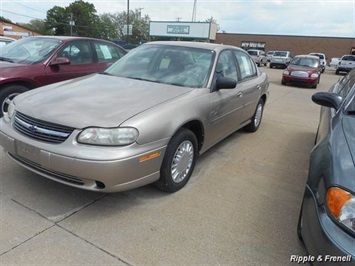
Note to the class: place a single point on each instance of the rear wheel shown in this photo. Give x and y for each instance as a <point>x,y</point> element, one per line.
<point>283,82</point>
<point>256,119</point>
<point>179,161</point>
<point>8,94</point>
<point>271,65</point>
<point>337,72</point>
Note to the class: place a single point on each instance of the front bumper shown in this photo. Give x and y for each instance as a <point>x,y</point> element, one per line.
<point>306,82</point>
<point>322,237</point>
<point>95,168</point>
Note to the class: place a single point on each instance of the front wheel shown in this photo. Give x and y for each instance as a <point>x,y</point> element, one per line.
<point>7,94</point>
<point>256,119</point>
<point>179,161</point>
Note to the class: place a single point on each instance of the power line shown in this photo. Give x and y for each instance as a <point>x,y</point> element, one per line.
<point>3,10</point>
<point>28,7</point>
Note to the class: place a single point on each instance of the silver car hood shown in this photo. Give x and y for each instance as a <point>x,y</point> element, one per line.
<point>95,100</point>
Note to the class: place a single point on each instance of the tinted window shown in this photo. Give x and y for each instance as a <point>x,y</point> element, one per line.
<point>253,52</point>
<point>346,84</point>
<point>246,65</point>
<point>348,58</point>
<point>283,54</point>
<point>226,65</point>
<point>78,52</point>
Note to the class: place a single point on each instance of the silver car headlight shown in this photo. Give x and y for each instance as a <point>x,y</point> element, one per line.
<point>108,136</point>
<point>341,205</point>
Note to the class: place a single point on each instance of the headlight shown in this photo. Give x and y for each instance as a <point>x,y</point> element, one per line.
<point>108,136</point>
<point>286,72</point>
<point>341,205</point>
<point>11,110</point>
<point>314,75</point>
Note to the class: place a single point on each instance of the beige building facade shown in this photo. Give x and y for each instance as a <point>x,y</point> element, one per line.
<point>15,31</point>
<point>330,46</point>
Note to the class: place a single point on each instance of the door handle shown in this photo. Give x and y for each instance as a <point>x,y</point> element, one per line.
<point>240,94</point>
<point>258,87</point>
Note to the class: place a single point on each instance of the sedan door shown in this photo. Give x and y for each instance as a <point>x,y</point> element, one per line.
<point>226,104</point>
<point>249,84</point>
<point>82,62</point>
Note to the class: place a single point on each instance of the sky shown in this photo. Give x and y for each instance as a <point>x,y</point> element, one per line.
<point>277,17</point>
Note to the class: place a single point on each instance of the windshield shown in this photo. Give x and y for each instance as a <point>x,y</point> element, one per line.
<point>282,54</point>
<point>180,66</point>
<point>28,50</point>
<point>304,61</point>
<point>252,52</point>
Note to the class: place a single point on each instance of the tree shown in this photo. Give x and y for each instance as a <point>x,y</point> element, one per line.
<point>140,25</point>
<point>37,25</point>
<point>107,28</point>
<point>85,18</point>
<point>79,18</point>
<point>3,19</point>
<point>57,20</point>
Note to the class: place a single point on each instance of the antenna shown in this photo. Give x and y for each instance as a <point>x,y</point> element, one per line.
<point>194,11</point>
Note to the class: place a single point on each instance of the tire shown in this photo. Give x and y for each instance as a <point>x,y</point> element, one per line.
<point>271,65</point>
<point>314,86</point>
<point>337,72</point>
<point>283,82</point>
<point>256,119</point>
<point>8,93</point>
<point>179,161</point>
<point>258,64</point>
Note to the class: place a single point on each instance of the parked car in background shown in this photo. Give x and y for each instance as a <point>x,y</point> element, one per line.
<point>346,64</point>
<point>280,59</point>
<point>258,56</point>
<point>145,119</point>
<point>32,62</point>
<point>322,59</point>
<point>304,70</point>
<point>334,62</point>
<point>269,54</point>
<point>5,40</point>
<point>327,217</point>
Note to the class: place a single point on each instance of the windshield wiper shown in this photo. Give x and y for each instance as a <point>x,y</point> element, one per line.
<point>150,80</point>
<point>106,73</point>
<point>6,59</point>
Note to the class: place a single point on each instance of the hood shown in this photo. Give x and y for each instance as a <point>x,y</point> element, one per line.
<point>348,123</point>
<point>301,68</point>
<point>95,100</point>
<point>5,65</point>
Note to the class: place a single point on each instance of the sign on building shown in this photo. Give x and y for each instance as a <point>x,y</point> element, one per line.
<point>193,30</point>
<point>253,45</point>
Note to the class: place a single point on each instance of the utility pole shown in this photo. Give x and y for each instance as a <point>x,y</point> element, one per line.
<point>71,24</point>
<point>178,19</point>
<point>140,11</point>
<point>127,18</point>
<point>194,11</point>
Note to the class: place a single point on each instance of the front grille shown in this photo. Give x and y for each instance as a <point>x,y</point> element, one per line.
<point>41,130</point>
<point>53,174</point>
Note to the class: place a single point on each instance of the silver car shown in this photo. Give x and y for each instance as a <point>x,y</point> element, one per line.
<point>280,59</point>
<point>144,120</point>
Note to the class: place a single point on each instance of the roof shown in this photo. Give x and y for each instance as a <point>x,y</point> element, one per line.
<point>202,45</point>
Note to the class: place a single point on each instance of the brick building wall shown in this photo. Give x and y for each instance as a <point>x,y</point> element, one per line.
<point>330,46</point>
<point>15,31</point>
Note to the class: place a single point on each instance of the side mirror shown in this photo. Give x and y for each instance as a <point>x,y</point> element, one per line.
<point>328,99</point>
<point>225,83</point>
<point>59,61</point>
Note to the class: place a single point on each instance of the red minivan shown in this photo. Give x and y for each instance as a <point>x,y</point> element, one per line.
<point>37,61</point>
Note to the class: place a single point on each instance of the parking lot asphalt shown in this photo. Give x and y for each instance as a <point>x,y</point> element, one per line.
<point>240,206</point>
